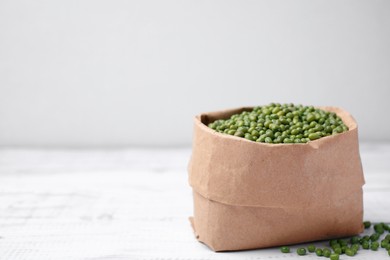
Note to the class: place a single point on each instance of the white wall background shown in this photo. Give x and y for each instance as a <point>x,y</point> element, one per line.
<point>116,73</point>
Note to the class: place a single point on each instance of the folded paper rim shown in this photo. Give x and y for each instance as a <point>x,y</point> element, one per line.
<point>208,117</point>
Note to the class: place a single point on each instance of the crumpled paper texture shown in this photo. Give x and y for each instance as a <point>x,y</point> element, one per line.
<point>253,195</point>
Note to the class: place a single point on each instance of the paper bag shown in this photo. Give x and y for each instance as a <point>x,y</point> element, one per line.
<point>253,195</point>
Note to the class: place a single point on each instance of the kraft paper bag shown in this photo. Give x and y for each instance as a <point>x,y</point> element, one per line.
<point>251,195</point>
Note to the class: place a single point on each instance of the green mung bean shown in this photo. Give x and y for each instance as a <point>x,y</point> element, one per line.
<point>285,249</point>
<point>326,252</point>
<point>319,252</point>
<point>367,224</point>
<point>375,245</point>
<point>379,228</point>
<point>350,252</point>
<point>374,237</point>
<point>301,251</point>
<point>355,247</point>
<point>384,243</point>
<point>311,248</point>
<point>338,250</point>
<point>281,124</point>
<point>355,240</point>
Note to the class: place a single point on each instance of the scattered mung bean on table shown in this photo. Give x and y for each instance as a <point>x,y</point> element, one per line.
<point>351,246</point>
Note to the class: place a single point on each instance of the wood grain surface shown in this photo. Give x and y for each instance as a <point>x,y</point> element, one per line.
<point>127,204</point>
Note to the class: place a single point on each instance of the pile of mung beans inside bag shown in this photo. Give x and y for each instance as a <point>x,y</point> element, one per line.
<point>380,238</point>
<point>281,123</point>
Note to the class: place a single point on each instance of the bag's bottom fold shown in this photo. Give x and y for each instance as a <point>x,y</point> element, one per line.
<point>227,228</point>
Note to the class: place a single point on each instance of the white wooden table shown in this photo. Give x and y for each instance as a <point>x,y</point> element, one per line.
<point>127,204</point>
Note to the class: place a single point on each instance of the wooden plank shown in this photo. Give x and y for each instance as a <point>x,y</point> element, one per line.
<point>125,204</point>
